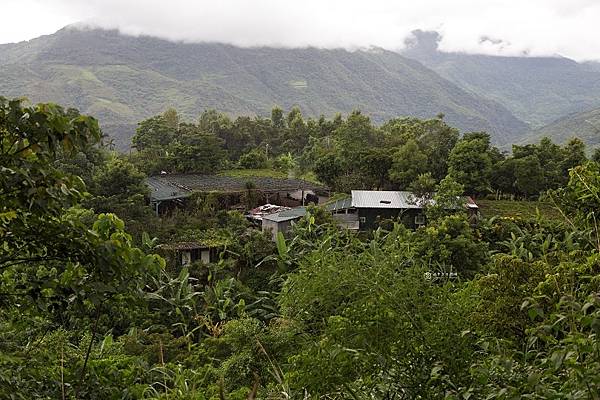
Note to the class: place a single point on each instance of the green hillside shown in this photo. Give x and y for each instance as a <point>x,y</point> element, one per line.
<point>585,125</point>
<point>123,79</point>
<point>538,90</point>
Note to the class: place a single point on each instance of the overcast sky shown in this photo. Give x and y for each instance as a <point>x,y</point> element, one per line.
<point>535,27</point>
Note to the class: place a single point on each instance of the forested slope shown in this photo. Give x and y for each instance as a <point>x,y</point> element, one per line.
<point>585,125</point>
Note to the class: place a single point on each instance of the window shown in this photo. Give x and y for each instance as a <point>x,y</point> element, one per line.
<point>362,220</point>
<point>420,219</point>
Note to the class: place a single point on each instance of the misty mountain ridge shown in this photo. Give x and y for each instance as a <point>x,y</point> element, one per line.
<point>584,125</point>
<point>124,79</point>
<point>537,90</point>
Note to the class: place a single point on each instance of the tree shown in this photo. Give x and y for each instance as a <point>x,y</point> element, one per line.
<point>470,164</point>
<point>296,136</point>
<point>374,164</point>
<point>277,118</point>
<point>550,156</point>
<point>502,177</point>
<point>596,155</point>
<point>255,158</point>
<point>157,131</point>
<point>529,176</point>
<point>408,162</point>
<point>195,151</point>
<point>353,136</point>
<point>328,169</point>
<point>50,260</point>
<point>449,245</point>
<point>33,193</point>
<point>573,155</point>
<point>423,187</point>
<point>171,118</point>
<point>448,199</point>
<point>119,187</point>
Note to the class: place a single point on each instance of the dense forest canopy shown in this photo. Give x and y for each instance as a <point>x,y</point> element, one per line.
<point>93,307</point>
<point>353,152</point>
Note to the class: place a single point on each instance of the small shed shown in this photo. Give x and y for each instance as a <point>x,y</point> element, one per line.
<point>282,221</point>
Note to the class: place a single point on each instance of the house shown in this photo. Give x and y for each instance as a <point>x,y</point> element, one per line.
<point>167,191</point>
<point>282,221</point>
<point>256,215</point>
<point>186,253</point>
<point>374,206</point>
<point>367,208</point>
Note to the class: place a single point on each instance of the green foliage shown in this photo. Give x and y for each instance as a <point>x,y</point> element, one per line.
<point>166,144</point>
<point>284,162</point>
<point>447,199</point>
<point>470,164</point>
<point>328,169</point>
<point>504,307</point>
<point>449,245</point>
<point>254,159</point>
<point>409,162</point>
<point>372,321</point>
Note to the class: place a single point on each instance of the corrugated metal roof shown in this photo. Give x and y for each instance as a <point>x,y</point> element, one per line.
<point>339,204</point>
<point>162,189</point>
<point>385,199</point>
<point>286,215</point>
<point>174,186</point>
<point>260,212</point>
<point>395,200</point>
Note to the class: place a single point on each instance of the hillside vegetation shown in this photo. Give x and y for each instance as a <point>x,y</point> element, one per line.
<point>124,79</point>
<point>102,299</point>
<point>584,125</point>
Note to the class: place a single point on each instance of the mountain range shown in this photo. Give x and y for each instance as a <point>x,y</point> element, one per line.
<point>537,90</point>
<point>585,125</point>
<point>123,79</point>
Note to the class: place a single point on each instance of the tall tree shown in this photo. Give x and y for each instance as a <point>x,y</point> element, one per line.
<point>573,155</point>
<point>408,163</point>
<point>196,151</point>
<point>470,163</point>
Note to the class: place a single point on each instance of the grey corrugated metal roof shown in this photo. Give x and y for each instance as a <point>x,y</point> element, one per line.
<point>384,199</point>
<point>162,189</point>
<point>174,186</point>
<point>396,200</point>
<point>339,204</point>
<point>286,215</point>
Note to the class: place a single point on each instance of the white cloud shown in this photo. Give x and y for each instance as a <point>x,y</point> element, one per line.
<point>536,27</point>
